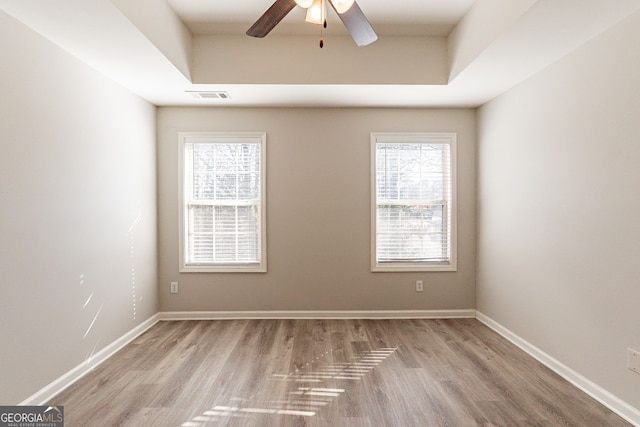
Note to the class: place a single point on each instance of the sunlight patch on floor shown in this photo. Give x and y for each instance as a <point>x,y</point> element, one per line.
<point>304,401</point>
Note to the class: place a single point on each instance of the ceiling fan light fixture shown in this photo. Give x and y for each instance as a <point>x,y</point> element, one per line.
<point>305,4</point>
<point>350,14</point>
<point>317,12</point>
<point>342,5</point>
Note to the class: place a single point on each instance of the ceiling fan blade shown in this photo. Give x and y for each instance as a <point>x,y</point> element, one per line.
<point>357,24</point>
<point>271,17</point>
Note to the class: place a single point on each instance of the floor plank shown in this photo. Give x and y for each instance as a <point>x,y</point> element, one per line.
<point>326,373</point>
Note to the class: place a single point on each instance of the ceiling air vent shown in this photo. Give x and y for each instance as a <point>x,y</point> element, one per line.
<point>217,94</point>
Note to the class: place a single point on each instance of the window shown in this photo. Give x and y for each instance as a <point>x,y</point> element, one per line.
<point>413,197</point>
<point>222,218</point>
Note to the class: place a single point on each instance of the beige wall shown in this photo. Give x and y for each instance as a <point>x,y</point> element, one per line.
<point>77,212</point>
<point>390,60</point>
<point>318,213</point>
<point>558,210</point>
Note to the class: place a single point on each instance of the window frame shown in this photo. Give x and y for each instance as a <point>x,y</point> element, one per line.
<point>418,138</point>
<point>220,137</point>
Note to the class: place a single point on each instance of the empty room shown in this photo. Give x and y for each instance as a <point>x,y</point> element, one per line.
<point>320,213</point>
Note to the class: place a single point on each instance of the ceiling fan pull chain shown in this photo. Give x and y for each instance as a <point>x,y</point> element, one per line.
<point>324,22</point>
<point>324,25</point>
<point>321,39</point>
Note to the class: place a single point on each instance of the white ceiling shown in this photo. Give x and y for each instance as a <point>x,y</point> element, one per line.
<point>161,49</point>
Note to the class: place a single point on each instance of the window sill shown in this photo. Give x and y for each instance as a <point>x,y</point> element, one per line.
<point>223,268</point>
<point>408,267</point>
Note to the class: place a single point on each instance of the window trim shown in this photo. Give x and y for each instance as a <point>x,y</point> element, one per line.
<point>417,137</point>
<point>236,137</point>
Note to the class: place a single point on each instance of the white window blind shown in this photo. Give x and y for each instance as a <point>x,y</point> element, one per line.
<point>413,192</point>
<point>223,203</point>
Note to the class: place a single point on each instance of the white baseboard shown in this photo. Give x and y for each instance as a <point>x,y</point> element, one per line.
<point>617,405</point>
<point>348,314</point>
<point>50,391</point>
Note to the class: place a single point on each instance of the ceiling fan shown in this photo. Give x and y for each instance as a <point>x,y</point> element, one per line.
<point>348,10</point>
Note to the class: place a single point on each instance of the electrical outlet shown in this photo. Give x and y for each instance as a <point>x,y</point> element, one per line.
<point>419,286</point>
<point>633,360</point>
<point>174,287</point>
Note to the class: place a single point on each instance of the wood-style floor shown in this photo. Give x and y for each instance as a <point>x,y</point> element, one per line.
<point>373,373</point>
